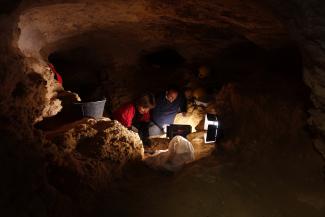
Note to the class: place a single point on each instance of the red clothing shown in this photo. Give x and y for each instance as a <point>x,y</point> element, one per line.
<point>126,115</point>
<point>58,76</point>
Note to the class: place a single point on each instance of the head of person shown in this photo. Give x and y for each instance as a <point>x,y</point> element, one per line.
<point>145,102</point>
<point>188,93</point>
<point>172,93</point>
<point>203,72</point>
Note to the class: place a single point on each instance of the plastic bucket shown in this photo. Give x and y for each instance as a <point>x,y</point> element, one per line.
<point>91,109</point>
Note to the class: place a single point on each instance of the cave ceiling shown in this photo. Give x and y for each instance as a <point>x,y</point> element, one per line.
<point>194,28</point>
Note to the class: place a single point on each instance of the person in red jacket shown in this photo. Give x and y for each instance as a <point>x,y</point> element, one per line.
<point>135,115</point>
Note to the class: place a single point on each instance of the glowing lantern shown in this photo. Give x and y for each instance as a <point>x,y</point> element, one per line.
<point>211,125</point>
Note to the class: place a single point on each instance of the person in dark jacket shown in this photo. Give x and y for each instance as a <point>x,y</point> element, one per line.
<point>135,115</point>
<point>168,104</point>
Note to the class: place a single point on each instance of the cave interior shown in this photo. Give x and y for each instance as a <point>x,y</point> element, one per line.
<point>257,65</point>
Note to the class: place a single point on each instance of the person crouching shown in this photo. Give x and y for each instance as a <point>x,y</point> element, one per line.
<point>135,115</point>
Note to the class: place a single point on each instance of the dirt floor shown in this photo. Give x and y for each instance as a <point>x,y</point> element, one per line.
<point>219,186</point>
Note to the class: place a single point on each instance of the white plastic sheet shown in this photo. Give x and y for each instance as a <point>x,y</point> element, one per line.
<point>180,152</point>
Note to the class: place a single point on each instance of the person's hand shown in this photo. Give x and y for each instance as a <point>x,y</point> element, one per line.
<point>134,129</point>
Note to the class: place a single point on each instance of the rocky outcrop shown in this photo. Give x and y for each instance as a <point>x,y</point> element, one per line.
<point>305,22</point>
<point>92,152</point>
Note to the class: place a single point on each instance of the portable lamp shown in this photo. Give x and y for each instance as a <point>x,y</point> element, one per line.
<point>211,125</point>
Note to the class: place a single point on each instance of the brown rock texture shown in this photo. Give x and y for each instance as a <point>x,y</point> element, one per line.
<point>197,31</point>
<point>201,149</point>
<point>306,22</point>
<point>100,139</point>
<point>268,118</point>
<point>93,151</point>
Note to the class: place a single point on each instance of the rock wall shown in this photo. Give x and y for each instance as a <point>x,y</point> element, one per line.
<point>305,21</point>
<point>20,154</point>
<point>314,67</point>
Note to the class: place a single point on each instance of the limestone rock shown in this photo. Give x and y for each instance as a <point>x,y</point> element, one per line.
<point>89,153</point>
<point>102,139</point>
<point>320,146</point>
<point>201,149</point>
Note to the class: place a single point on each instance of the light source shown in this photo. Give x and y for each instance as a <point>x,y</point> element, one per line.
<point>211,125</point>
